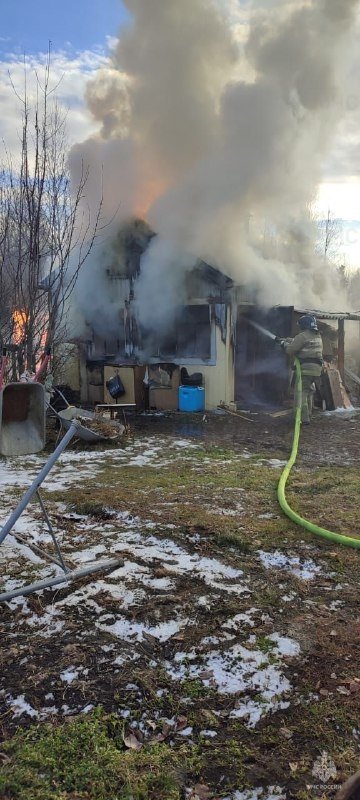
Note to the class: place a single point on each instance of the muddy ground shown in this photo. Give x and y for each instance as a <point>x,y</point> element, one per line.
<point>227,636</point>
<point>333,437</point>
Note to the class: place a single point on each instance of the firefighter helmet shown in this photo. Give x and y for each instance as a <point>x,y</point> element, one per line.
<point>308,323</point>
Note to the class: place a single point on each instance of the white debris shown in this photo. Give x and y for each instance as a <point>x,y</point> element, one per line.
<point>336,604</point>
<point>185,731</point>
<point>288,598</point>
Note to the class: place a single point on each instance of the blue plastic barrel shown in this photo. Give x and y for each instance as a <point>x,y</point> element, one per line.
<point>191,398</point>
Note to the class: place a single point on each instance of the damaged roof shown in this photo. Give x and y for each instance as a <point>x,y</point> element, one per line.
<point>213,275</point>
<point>349,315</point>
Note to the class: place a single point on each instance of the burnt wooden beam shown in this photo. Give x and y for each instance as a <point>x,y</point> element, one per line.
<point>341,348</point>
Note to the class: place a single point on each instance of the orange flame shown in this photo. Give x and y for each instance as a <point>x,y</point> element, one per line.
<point>19,318</point>
<point>151,189</point>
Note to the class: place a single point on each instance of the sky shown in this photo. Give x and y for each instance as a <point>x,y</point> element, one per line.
<point>81,33</point>
<point>71,24</point>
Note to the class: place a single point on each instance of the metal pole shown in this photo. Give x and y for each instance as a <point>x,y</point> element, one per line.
<point>65,578</point>
<point>51,531</point>
<point>38,480</point>
<point>38,550</point>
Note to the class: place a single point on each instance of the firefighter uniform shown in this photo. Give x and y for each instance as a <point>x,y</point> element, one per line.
<point>308,347</point>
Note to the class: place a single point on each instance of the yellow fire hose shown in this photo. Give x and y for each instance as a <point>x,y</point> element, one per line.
<point>339,538</point>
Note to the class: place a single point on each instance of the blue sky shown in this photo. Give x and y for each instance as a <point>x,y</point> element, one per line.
<point>80,32</point>
<point>28,25</point>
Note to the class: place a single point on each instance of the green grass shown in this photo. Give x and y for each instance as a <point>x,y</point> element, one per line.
<point>87,760</point>
<point>195,488</point>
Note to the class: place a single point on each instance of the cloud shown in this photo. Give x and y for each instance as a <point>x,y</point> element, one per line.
<point>70,73</point>
<point>343,163</point>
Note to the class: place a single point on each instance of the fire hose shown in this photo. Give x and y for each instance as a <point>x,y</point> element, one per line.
<point>339,538</point>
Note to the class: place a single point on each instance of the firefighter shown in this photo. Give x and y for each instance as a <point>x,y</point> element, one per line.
<point>307,346</point>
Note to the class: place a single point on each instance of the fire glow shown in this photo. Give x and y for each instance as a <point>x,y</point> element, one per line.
<point>19,318</point>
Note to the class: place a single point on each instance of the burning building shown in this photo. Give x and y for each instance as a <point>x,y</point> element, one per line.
<point>198,338</point>
<point>214,128</point>
<point>208,335</point>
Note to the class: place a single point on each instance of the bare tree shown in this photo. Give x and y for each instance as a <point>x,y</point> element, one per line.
<point>46,231</point>
<point>331,238</point>
<point>4,223</point>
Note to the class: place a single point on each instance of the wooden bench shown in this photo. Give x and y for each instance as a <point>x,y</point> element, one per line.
<point>114,408</point>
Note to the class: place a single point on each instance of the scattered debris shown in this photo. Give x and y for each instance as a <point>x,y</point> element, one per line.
<point>108,430</point>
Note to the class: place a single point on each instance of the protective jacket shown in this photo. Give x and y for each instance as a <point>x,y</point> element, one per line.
<point>308,347</point>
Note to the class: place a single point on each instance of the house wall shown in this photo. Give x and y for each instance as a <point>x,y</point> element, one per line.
<point>218,371</point>
<point>68,366</point>
<point>219,379</point>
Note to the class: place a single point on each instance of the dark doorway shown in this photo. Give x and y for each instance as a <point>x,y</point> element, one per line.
<point>261,368</point>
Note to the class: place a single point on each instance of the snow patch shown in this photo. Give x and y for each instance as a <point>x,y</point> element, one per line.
<point>306,569</point>
<point>69,675</point>
<point>274,462</point>
<point>20,706</point>
<point>271,793</point>
<point>134,631</point>
<point>239,670</point>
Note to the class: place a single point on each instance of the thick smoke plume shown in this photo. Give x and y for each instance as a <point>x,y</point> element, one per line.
<point>219,140</point>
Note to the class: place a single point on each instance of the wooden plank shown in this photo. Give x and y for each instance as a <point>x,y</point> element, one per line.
<point>332,389</point>
<point>114,408</point>
<point>352,376</point>
<point>116,405</point>
<point>341,348</point>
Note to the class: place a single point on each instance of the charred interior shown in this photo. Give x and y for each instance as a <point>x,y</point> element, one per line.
<point>261,372</point>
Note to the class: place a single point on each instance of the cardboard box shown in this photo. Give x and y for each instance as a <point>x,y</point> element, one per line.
<point>133,382</point>
<point>164,399</point>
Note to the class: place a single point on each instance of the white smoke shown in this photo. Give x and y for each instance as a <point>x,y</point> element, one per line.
<point>215,137</point>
